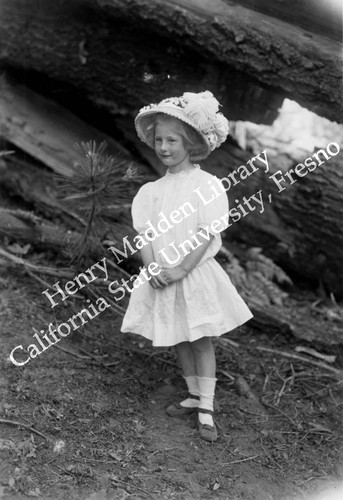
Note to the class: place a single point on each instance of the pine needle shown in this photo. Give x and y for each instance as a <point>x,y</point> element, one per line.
<point>99,182</point>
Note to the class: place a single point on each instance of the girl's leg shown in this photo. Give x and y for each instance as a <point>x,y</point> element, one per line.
<point>204,357</point>
<point>187,361</point>
<point>205,363</point>
<point>186,357</point>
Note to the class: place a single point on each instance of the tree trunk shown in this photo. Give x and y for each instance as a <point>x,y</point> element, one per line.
<point>129,52</point>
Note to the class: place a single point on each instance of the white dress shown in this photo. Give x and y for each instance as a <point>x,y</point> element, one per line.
<point>205,302</point>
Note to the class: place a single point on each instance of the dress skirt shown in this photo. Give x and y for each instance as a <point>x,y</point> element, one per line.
<point>204,303</point>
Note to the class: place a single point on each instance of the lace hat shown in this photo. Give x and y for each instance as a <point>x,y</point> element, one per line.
<point>200,111</point>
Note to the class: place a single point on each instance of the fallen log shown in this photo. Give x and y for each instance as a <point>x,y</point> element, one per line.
<point>45,130</point>
<point>123,53</point>
<point>276,54</point>
<point>27,228</point>
<point>37,188</point>
<point>323,18</point>
<point>49,133</point>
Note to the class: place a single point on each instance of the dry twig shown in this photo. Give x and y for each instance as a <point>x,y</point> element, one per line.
<point>336,371</point>
<point>269,405</point>
<point>71,352</point>
<point>20,424</point>
<point>227,374</point>
<point>312,352</point>
<point>242,460</point>
<point>100,363</point>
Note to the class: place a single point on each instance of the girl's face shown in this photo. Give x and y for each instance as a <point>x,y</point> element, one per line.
<point>169,145</point>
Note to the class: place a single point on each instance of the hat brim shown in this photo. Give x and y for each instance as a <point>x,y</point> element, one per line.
<point>144,119</point>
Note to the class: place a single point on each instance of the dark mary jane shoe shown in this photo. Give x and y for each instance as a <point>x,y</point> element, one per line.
<point>207,432</point>
<point>176,410</point>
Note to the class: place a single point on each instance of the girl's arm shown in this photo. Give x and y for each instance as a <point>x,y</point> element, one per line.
<point>189,262</point>
<point>147,255</point>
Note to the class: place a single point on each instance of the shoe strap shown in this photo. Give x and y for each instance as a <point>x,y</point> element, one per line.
<point>192,396</point>
<point>203,410</point>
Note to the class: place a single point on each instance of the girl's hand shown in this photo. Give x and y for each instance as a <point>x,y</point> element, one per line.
<point>173,274</point>
<point>157,281</point>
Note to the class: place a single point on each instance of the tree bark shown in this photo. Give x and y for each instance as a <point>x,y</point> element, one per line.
<point>301,65</point>
<point>47,131</point>
<point>36,187</point>
<point>36,231</point>
<point>25,227</point>
<point>130,52</point>
<point>300,227</point>
<point>322,18</point>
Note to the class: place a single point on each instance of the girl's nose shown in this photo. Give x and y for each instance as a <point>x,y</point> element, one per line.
<point>163,146</point>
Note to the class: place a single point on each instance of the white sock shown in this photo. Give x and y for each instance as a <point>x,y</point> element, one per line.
<point>207,388</point>
<point>193,389</point>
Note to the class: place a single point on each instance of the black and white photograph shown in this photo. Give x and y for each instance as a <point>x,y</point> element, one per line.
<point>171,249</point>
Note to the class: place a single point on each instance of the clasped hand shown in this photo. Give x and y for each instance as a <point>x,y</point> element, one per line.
<point>167,276</point>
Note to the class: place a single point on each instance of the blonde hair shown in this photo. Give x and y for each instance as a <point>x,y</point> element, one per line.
<point>192,140</point>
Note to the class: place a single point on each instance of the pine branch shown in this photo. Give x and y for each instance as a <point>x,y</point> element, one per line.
<point>99,182</point>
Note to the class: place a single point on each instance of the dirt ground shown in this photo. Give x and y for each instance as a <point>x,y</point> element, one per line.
<point>98,403</point>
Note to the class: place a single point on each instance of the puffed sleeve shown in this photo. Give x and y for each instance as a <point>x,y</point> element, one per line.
<point>213,206</point>
<point>141,208</point>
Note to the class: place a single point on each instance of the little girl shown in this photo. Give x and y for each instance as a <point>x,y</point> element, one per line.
<point>190,298</point>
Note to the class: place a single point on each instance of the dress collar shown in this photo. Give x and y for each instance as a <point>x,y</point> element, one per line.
<point>182,173</point>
